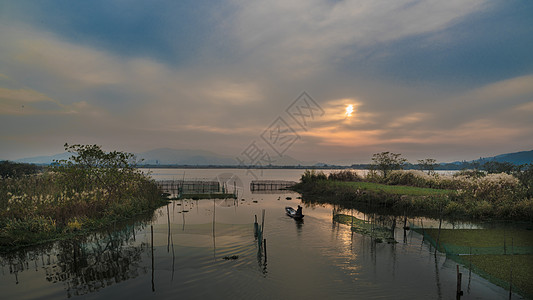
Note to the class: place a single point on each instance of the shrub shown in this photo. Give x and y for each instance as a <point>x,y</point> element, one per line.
<point>16,170</point>
<point>470,173</point>
<point>345,175</point>
<point>495,188</point>
<point>523,209</point>
<point>312,176</point>
<point>411,178</point>
<point>524,173</point>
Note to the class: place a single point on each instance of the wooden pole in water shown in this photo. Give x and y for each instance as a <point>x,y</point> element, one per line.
<point>504,246</point>
<point>438,235</point>
<point>256,227</point>
<point>393,226</point>
<point>511,275</point>
<point>168,238</point>
<point>469,271</point>
<point>152,242</point>
<point>459,279</point>
<point>265,249</point>
<point>263,222</point>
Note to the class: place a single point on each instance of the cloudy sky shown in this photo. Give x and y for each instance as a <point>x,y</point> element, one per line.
<point>449,80</point>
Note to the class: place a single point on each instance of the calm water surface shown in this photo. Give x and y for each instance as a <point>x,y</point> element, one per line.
<point>313,259</point>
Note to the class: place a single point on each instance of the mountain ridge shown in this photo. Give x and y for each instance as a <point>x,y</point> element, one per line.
<point>169,156</point>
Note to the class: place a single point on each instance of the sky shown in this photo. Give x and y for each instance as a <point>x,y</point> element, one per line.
<point>449,80</point>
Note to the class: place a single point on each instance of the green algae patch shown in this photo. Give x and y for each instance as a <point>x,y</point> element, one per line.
<point>379,233</point>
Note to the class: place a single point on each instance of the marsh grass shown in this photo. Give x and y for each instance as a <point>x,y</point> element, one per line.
<point>397,189</point>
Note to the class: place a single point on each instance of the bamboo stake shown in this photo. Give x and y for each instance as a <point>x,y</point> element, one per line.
<point>511,275</point>
<point>152,242</point>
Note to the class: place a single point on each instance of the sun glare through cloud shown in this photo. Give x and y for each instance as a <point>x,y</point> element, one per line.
<point>349,110</point>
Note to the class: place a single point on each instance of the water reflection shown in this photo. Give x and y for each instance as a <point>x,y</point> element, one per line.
<point>90,264</point>
<point>84,265</point>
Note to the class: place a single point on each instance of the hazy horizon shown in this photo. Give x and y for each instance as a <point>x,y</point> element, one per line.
<point>448,80</point>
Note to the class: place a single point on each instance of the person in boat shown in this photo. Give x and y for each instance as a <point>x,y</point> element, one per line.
<point>299,211</point>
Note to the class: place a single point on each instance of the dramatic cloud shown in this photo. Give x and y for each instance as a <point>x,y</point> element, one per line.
<point>424,78</point>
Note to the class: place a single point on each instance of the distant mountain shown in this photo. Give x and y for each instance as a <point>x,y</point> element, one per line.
<point>44,160</point>
<point>517,158</point>
<point>167,156</point>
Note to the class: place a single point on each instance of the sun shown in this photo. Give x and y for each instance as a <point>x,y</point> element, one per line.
<point>349,110</point>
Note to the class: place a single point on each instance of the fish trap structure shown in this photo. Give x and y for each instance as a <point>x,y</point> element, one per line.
<point>270,185</point>
<point>189,186</point>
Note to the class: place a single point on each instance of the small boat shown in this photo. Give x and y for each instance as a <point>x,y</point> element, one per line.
<point>296,214</point>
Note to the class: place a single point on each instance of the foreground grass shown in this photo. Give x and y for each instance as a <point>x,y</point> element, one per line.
<point>20,233</point>
<point>495,267</point>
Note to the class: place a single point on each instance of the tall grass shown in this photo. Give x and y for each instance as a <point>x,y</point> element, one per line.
<point>72,197</point>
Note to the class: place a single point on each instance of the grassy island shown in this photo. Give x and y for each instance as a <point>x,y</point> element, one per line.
<point>463,196</point>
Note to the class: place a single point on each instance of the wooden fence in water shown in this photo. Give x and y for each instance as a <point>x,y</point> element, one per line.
<point>270,185</point>
<point>189,186</point>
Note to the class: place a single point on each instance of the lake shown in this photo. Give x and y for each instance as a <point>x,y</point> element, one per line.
<point>206,249</point>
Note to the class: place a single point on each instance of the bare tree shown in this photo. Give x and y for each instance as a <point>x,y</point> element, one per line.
<point>427,164</point>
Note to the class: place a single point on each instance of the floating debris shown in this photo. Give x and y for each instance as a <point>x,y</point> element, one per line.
<point>233,257</point>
